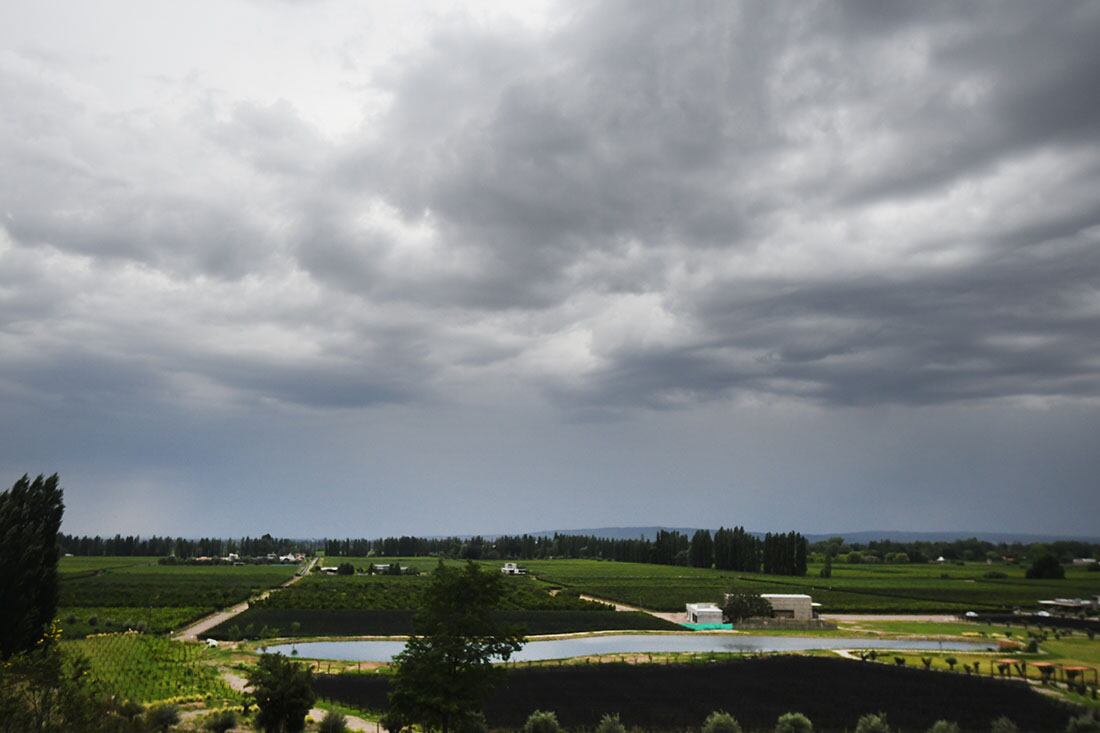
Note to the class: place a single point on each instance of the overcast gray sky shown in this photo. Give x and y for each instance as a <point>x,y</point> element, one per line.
<point>335,268</point>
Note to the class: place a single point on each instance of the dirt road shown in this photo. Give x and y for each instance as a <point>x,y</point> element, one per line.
<point>191,632</point>
<point>676,618</point>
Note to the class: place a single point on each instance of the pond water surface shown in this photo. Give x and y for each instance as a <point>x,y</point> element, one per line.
<point>384,651</point>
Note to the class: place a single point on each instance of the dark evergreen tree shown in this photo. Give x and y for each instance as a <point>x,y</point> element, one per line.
<point>30,516</point>
<point>702,549</point>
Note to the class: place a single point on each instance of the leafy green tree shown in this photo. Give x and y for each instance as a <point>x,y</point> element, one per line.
<point>793,723</point>
<point>721,722</point>
<point>345,568</point>
<point>827,571</point>
<point>737,606</point>
<point>1003,725</point>
<point>30,517</point>
<point>446,671</point>
<point>610,724</point>
<point>1046,567</point>
<point>542,721</point>
<point>283,690</point>
<point>872,723</point>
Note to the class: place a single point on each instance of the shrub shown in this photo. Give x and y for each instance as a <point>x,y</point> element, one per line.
<point>610,724</point>
<point>872,723</point>
<point>93,621</point>
<point>944,726</point>
<point>793,723</point>
<point>542,721</point>
<point>333,722</point>
<point>1003,725</point>
<point>471,723</point>
<point>1032,646</point>
<point>162,717</point>
<point>1084,723</point>
<point>995,575</point>
<point>745,605</point>
<point>345,568</point>
<point>220,722</point>
<point>1046,567</point>
<point>721,722</point>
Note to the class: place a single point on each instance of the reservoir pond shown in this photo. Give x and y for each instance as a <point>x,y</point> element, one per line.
<point>384,651</point>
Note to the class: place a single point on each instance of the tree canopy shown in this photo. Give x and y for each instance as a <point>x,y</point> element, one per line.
<point>283,690</point>
<point>446,670</point>
<point>30,517</point>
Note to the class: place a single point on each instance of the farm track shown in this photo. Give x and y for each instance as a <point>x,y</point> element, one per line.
<point>192,631</point>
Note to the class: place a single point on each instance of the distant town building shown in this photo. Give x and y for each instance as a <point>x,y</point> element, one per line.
<point>510,568</point>
<point>703,613</point>
<point>1083,562</point>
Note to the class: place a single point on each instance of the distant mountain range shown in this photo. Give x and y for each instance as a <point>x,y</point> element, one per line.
<point>850,537</point>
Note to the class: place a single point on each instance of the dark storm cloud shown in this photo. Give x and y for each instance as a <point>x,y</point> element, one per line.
<point>646,205</point>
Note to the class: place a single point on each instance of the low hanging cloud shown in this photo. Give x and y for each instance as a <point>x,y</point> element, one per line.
<point>637,205</point>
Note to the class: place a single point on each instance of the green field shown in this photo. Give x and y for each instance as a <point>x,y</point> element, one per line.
<point>851,589</point>
<point>386,592</point>
<point>206,586</point>
<point>148,668</point>
<point>77,622</point>
<point>111,594</point>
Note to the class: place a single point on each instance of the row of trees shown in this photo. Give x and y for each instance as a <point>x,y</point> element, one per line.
<point>726,549</point>
<point>182,547</point>
<point>971,549</point>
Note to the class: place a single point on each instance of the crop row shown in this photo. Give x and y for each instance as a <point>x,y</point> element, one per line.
<point>833,693</point>
<point>384,592</point>
<point>205,587</point>
<point>149,668</point>
<point>78,622</point>
<point>256,623</point>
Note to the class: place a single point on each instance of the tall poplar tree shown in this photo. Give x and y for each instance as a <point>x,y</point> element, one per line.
<point>30,517</point>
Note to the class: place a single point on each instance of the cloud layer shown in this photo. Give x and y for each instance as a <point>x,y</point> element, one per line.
<point>594,211</point>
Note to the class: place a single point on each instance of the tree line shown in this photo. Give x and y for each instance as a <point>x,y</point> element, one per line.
<point>726,549</point>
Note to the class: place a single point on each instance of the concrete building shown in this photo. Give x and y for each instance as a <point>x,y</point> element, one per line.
<point>798,606</point>
<point>704,613</point>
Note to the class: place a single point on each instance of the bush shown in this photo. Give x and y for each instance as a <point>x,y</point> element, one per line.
<point>345,568</point>
<point>1003,725</point>
<point>220,722</point>
<point>1084,723</point>
<point>871,723</point>
<point>472,723</point>
<point>944,726</point>
<point>610,724</point>
<point>739,606</point>
<point>995,575</point>
<point>1046,567</point>
<point>793,723</point>
<point>721,722</point>
<point>162,717</point>
<point>333,722</point>
<point>542,721</point>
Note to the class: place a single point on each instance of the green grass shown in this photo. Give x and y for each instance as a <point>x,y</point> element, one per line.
<point>149,669</point>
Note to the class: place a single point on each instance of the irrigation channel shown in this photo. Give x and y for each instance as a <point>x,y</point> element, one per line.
<point>384,651</point>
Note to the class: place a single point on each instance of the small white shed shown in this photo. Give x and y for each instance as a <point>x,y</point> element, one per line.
<point>704,613</point>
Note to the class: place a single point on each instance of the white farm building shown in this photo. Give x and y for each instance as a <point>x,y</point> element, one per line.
<point>704,613</point>
<point>798,606</point>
